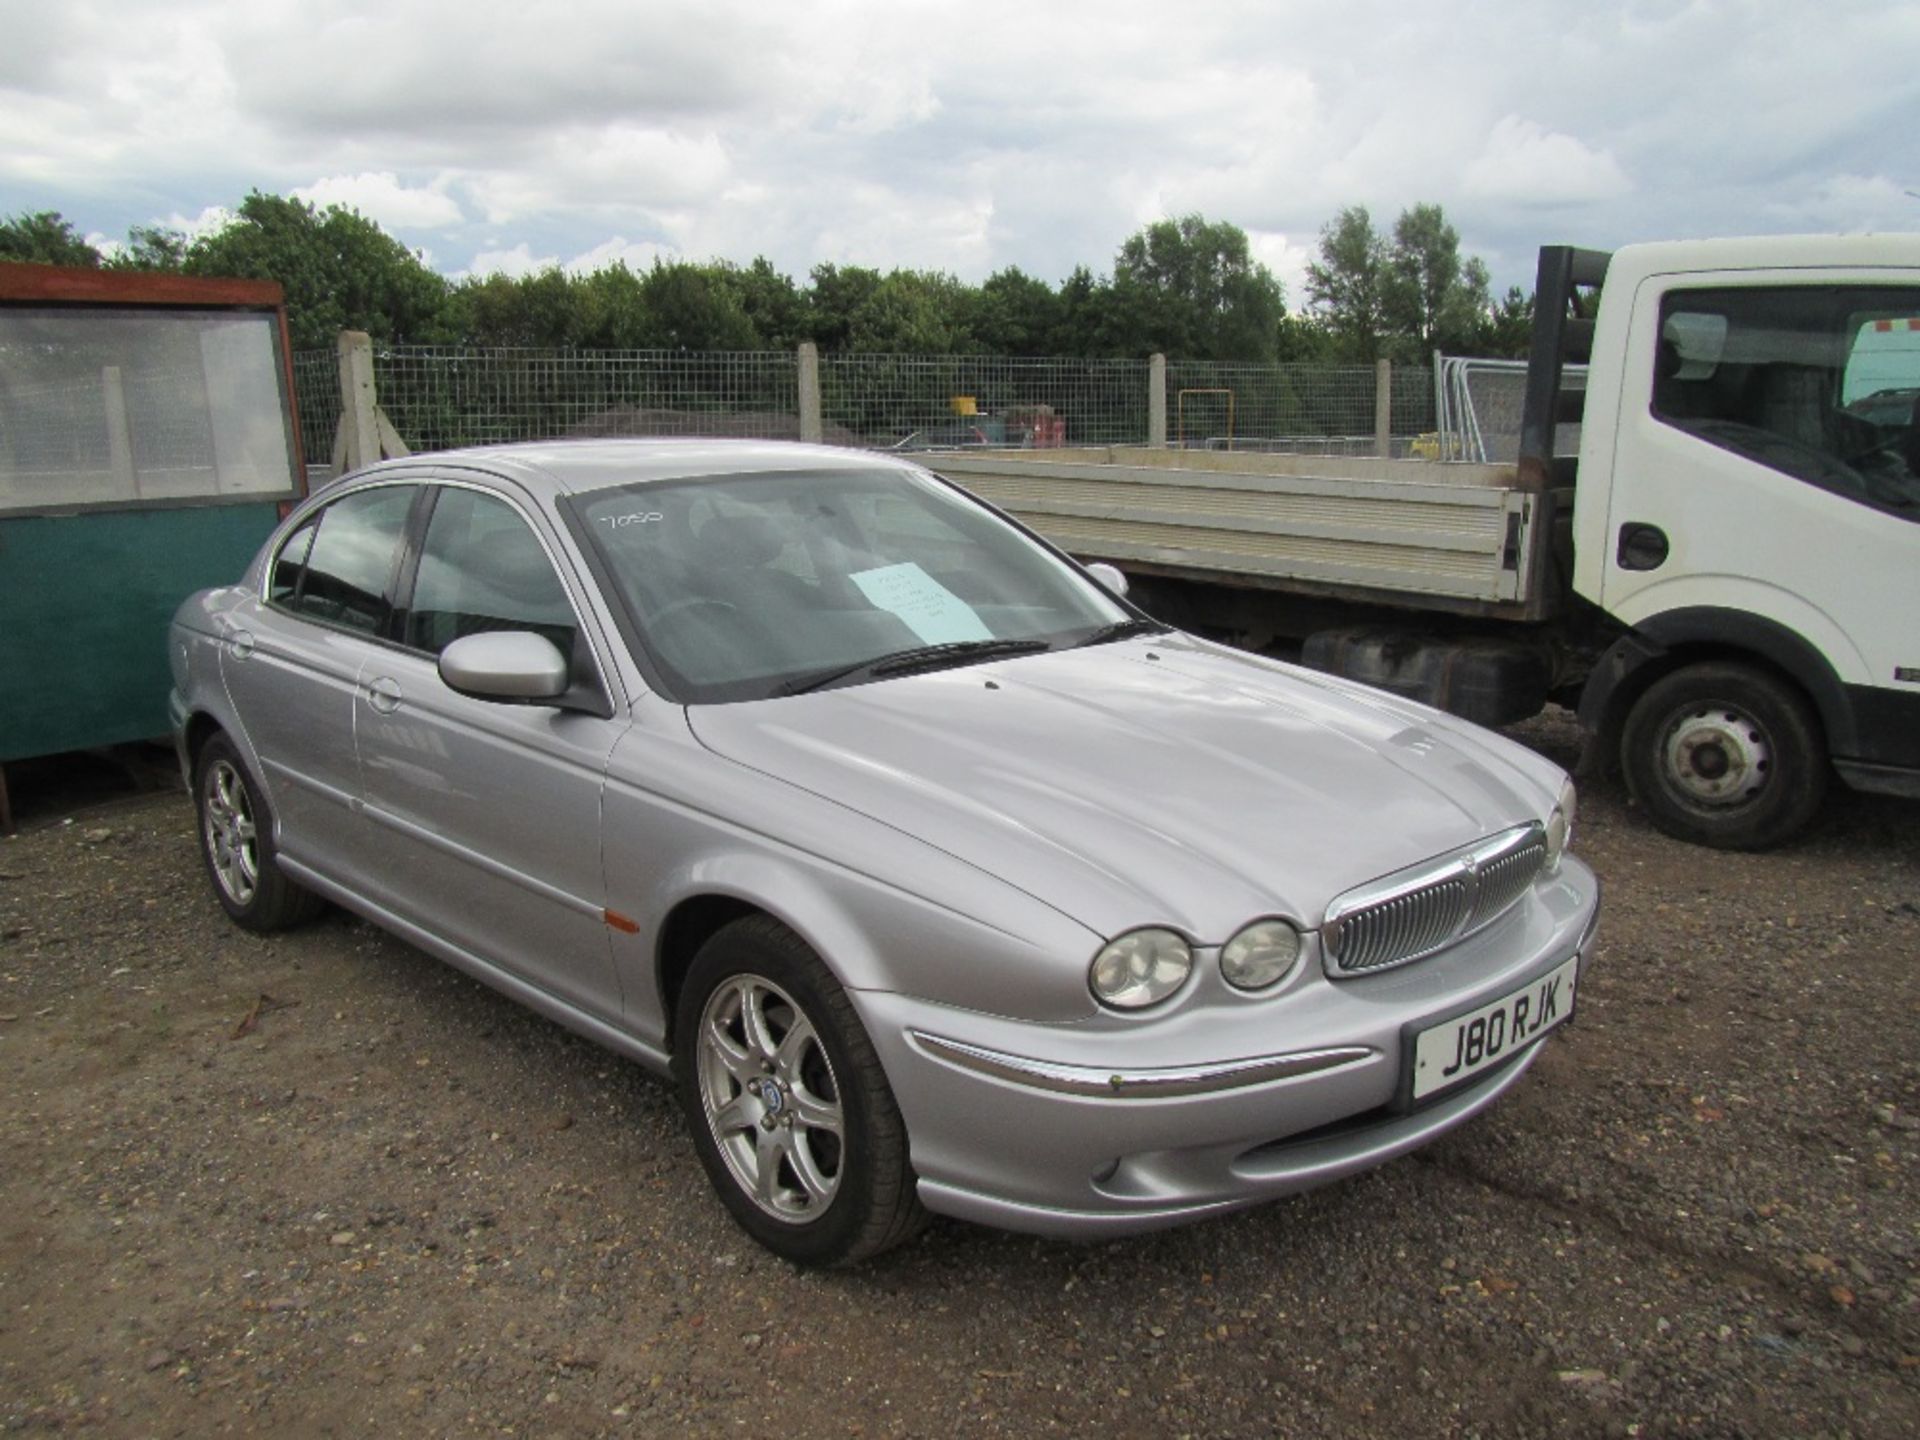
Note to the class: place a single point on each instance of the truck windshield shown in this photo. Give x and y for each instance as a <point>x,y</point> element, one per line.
<point>748,586</point>
<point>1819,382</point>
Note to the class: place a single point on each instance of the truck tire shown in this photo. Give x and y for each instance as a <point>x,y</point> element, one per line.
<point>1726,755</point>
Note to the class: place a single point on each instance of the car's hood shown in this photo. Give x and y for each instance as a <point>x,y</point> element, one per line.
<point>1163,781</point>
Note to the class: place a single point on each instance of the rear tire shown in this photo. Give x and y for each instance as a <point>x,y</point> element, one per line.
<point>790,1110</point>
<point>236,842</point>
<point>1726,755</point>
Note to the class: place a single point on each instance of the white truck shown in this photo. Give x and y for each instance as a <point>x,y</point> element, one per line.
<point>1725,583</point>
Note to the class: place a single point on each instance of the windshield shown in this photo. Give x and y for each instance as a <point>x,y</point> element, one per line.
<point>746,586</point>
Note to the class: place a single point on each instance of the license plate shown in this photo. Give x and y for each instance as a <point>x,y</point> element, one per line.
<point>1455,1050</point>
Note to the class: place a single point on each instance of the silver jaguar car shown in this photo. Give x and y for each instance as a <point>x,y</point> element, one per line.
<point>937,876</point>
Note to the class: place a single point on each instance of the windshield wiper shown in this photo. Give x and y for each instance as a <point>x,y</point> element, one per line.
<point>920,657</point>
<point>1124,630</point>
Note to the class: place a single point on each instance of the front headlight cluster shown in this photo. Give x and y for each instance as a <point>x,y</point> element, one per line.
<point>1141,968</point>
<point>1560,825</point>
<point>1144,967</point>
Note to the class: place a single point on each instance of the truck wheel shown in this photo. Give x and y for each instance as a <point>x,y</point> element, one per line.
<point>1726,755</point>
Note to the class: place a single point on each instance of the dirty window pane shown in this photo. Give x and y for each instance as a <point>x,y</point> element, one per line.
<point>123,406</point>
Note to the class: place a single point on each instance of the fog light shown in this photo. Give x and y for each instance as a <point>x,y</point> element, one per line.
<point>1260,955</point>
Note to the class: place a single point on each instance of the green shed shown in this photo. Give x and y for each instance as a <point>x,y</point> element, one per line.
<point>147,447</point>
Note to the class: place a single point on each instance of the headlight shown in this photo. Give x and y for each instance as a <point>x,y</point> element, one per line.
<point>1260,955</point>
<point>1560,825</point>
<point>1141,968</point>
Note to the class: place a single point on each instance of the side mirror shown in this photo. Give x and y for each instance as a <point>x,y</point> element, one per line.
<point>1109,576</point>
<point>505,665</point>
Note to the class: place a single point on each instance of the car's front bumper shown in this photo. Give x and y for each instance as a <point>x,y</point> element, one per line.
<point>1101,1129</point>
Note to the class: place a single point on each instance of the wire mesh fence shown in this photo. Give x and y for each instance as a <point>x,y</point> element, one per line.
<point>316,387</point>
<point>1293,408</point>
<point>443,397</point>
<point>440,398</point>
<point>927,402</point>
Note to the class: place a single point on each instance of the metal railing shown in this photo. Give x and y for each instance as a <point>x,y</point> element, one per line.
<point>1480,403</point>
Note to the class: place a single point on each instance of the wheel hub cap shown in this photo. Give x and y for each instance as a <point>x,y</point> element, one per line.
<point>1717,755</point>
<point>770,1098</point>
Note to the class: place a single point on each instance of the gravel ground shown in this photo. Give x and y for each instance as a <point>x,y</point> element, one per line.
<point>323,1184</point>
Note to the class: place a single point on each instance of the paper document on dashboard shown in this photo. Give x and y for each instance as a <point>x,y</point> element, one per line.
<point>934,613</point>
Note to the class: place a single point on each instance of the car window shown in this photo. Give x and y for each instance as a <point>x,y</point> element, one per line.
<point>482,568</point>
<point>350,559</point>
<point>1806,380</point>
<point>290,565</point>
<point>738,586</point>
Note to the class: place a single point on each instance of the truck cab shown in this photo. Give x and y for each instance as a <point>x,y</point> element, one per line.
<point>1746,514</point>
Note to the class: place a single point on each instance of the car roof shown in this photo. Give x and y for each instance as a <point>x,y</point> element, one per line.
<point>567,467</point>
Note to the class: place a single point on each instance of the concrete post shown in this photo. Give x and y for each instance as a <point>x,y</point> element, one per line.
<point>1157,402</point>
<point>1383,409</point>
<point>359,405</point>
<point>810,427</point>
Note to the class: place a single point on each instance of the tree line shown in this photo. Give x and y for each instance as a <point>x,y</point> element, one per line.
<point>1188,288</point>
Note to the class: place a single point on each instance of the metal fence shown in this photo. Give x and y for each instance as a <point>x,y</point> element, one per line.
<point>1481,403</point>
<point>316,387</point>
<point>439,398</point>
<point>442,397</point>
<point>1292,409</point>
<point>920,402</point>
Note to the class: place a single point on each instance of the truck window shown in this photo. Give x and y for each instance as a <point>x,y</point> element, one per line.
<point>1817,382</point>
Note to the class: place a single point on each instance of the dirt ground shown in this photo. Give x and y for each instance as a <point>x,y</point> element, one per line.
<point>321,1184</point>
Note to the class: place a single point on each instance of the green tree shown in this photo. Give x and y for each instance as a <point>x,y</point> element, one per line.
<point>149,247</point>
<point>1080,316</point>
<point>771,301</point>
<point>1192,289</point>
<point>1507,331</point>
<point>340,271</point>
<point>693,307</point>
<point>912,312</point>
<point>1346,285</point>
<point>1014,313</point>
<point>835,294</point>
<point>44,237</point>
<point>1429,297</point>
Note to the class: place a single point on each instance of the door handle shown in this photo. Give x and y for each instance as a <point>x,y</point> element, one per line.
<point>1642,546</point>
<point>384,695</point>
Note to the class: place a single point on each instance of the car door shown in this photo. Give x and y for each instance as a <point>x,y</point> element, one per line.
<point>484,817</point>
<point>291,659</point>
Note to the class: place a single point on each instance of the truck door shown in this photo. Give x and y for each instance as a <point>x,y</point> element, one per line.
<point>1767,464</point>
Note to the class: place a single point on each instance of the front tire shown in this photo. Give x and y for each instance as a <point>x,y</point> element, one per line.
<point>1726,755</point>
<point>236,842</point>
<point>789,1108</point>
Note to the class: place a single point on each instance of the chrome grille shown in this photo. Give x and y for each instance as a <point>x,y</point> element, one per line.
<point>1416,912</point>
<point>1504,879</point>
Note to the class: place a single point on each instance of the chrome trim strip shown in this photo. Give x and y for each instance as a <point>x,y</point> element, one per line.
<point>1135,1084</point>
<point>1464,866</point>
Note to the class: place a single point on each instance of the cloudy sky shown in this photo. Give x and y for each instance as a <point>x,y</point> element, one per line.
<point>964,137</point>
